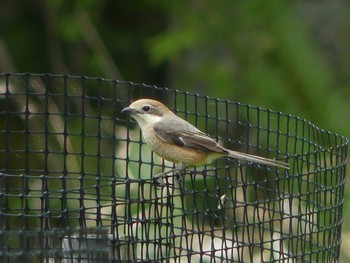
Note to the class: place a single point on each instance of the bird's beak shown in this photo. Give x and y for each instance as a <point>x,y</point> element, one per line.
<point>127,110</point>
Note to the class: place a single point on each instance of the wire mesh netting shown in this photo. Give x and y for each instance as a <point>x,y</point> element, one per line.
<point>76,180</point>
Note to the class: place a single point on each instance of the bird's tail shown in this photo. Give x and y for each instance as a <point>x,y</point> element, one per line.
<point>257,159</point>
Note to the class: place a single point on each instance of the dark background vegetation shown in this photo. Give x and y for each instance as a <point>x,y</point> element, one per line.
<point>289,56</point>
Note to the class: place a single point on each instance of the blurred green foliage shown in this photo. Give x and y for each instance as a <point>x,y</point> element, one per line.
<point>287,56</point>
<point>290,56</point>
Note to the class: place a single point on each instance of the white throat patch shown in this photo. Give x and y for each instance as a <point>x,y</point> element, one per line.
<point>146,119</point>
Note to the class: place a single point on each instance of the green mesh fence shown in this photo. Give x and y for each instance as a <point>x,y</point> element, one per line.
<point>76,180</point>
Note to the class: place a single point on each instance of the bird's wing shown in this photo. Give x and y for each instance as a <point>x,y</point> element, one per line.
<point>187,136</point>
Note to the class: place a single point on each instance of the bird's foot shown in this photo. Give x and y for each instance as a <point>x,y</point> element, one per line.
<point>178,175</point>
<point>159,178</point>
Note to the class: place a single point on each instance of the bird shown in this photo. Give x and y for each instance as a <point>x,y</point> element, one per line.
<point>176,140</point>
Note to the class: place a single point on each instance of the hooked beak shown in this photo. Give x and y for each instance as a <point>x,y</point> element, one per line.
<point>127,110</point>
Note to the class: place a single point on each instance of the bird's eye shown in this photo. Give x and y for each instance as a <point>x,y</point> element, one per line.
<point>146,108</point>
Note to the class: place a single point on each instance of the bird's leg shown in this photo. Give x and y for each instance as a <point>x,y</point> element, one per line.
<point>177,170</point>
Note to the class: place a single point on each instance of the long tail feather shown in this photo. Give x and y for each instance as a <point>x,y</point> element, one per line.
<point>257,159</point>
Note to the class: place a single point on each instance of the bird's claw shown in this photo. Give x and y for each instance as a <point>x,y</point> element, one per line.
<point>159,178</point>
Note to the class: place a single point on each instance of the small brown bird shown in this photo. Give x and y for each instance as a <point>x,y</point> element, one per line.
<point>178,141</point>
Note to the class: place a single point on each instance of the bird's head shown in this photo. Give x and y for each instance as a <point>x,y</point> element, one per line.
<point>146,111</point>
